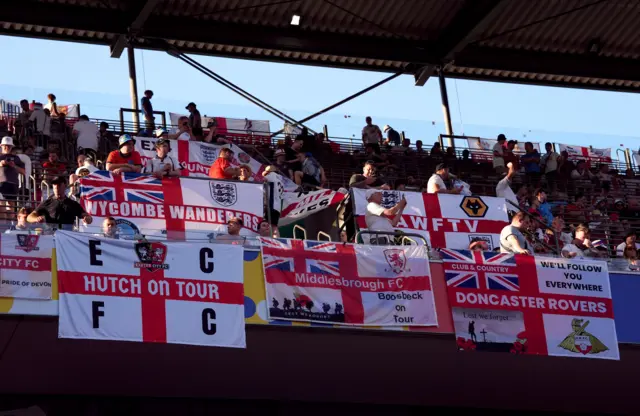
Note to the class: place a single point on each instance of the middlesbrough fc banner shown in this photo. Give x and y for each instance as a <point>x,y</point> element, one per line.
<point>177,208</point>
<point>587,153</point>
<point>348,284</point>
<point>196,158</point>
<point>173,292</point>
<point>530,305</point>
<point>444,220</point>
<point>25,265</point>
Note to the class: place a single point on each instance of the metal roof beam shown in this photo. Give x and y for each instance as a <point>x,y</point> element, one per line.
<point>142,10</point>
<point>583,65</point>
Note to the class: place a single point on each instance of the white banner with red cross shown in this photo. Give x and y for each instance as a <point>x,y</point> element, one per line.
<point>297,205</point>
<point>240,130</point>
<point>587,153</point>
<point>196,158</point>
<point>172,292</point>
<point>176,208</point>
<point>444,220</point>
<point>319,281</point>
<point>482,149</point>
<point>25,265</point>
<point>530,305</point>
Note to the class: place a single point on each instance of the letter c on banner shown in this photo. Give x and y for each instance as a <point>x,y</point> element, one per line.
<point>206,265</point>
<point>208,319</point>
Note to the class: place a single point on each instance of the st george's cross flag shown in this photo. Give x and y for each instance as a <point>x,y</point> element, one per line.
<point>530,305</point>
<point>165,292</point>
<point>25,265</point>
<point>443,220</point>
<point>319,281</point>
<point>174,208</point>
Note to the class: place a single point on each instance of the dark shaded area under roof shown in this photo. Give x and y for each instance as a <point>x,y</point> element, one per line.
<point>571,43</point>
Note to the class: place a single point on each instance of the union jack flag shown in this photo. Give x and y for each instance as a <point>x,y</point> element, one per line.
<point>323,267</point>
<point>480,279</point>
<point>98,193</point>
<point>150,197</point>
<point>276,243</point>
<point>284,264</point>
<point>327,247</point>
<point>132,178</point>
<point>103,186</point>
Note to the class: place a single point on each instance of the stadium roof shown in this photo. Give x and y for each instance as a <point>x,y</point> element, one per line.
<point>571,43</point>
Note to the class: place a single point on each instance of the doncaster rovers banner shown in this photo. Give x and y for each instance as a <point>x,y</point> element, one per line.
<point>177,208</point>
<point>444,220</point>
<point>530,305</point>
<point>587,153</point>
<point>172,292</point>
<point>25,265</point>
<point>196,158</point>
<point>348,284</point>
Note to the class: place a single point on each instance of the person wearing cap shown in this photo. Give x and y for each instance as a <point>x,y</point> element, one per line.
<point>393,137</point>
<point>195,121</point>
<point>162,164</point>
<point>234,225</point>
<point>125,159</point>
<point>221,168</point>
<point>280,163</point>
<point>10,168</point>
<point>376,216</point>
<point>86,134</point>
<point>58,209</point>
<point>498,155</point>
<point>436,183</point>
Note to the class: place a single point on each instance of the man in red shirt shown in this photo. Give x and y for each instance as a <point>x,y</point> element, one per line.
<point>125,159</point>
<point>53,167</point>
<point>221,168</point>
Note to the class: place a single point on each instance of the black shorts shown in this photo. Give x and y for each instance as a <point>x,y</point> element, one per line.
<point>9,191</point>
<point>308,179</point>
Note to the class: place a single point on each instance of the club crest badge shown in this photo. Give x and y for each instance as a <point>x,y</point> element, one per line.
<point>224,193</point>
<point>151,256</point>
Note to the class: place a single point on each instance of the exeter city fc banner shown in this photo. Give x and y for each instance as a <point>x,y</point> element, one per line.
<point>172,292</point>
<point>530,305</point>
<point>25,265</point>
<point>319,281</point>
<point>196,158</point>
<point>177,208</point>
<point>587,153</point>
<point>444,220</point>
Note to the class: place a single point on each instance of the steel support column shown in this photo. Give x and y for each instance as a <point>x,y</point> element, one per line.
<point>445,108</point>
<point>133,85</point>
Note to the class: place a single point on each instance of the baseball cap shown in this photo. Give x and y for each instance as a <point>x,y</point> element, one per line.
<point>161,142</point>
<point>58,180</point>
<point>370,193</point>
<point>160,132</point>
<point>441,166</point>
<point>125,138</point>
<point>280,152</point>
<point>190,104</point>
<point>7,141</point>
<point>386,127</point>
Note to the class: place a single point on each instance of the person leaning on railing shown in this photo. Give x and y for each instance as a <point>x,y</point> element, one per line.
<point>162,164</point>
<point>512,239</point>
<point>58,209</point>
<point>376,215</point>
<point>125,159</point>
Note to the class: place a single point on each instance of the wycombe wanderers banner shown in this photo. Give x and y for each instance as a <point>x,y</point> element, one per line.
<point>530,305</point>
<point>444,220</point>
<point>173,292</point>
<point>177,208</point>
<point>348,284</point>
<point>25,265</point>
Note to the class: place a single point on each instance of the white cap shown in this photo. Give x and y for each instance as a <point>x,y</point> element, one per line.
<point>6,140</point>
<point>370,193</point>
<point>386,127</point>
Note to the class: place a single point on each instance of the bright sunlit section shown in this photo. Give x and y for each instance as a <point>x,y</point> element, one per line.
<point>295,20</point>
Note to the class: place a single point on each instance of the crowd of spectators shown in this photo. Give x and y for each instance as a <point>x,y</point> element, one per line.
<point>565,201</point>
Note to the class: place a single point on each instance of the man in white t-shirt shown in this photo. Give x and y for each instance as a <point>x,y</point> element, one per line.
<point>498,154</point>
<point>503,189</point>
<point>371,134</point>
<point>162,164</point>
<point>550,163</point>
<point>376,216</point>
<point>436,183</point>
<point>86,134</point>
<point>184,130</point>
<point>41,119</point>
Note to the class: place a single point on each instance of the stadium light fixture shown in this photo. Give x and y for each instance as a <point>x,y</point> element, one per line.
<point>295,20</point>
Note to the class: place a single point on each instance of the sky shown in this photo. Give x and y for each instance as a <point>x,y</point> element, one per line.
<point>85,74</point>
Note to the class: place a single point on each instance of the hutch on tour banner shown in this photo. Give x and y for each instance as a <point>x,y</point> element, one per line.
<point>319,281</point>
<point>25,265</point>
<point>172,292</point>
<point>444,220</point>
<point>177,208</point>
<point>530,305</point>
